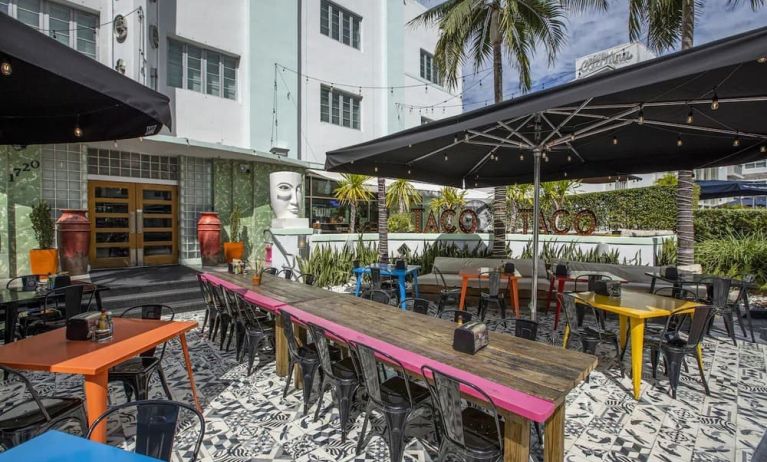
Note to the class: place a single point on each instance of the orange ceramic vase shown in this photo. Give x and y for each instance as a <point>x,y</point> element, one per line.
<point>233,251</point>
<point>43,261</point>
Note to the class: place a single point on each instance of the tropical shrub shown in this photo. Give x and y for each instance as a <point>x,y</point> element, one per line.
<point>721,223</point>
<point>735,255</point>
<point>332,266</point>
<point>42,224</point>
<point>653,207</point>
<point>430,251</point>
<point>400,223</point>
<point>552,251</point>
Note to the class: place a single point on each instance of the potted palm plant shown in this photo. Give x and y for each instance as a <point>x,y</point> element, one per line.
<point>44,259</point>
<point>234,249</point>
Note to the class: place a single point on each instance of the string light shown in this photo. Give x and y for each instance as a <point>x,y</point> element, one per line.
<point>565,174</point>
<point>78,132</point>
<point>736,142</point>
<point>445,157</point>
<point>761,59</point>
<point>641,116</point>
<point>679,141</point>
<point>689,117</point>
<point>615,140</point>
<point>408,171</point>
<point>714,102</point>
<point>569,158</point>
<point>5,68</point>
<point>114,144</point>
<point>375,169</point>
<point>496,158</point>
<point>763,149</point>
<point>521,157</point>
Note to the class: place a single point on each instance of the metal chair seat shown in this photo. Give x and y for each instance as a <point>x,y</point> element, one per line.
<point>479,430</point>
<point>394,393</point>
<point>344,369</point>
<point>27,413</point>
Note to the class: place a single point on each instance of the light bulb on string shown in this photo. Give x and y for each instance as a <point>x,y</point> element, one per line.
<point>78,132</point>
<point>408,171</point>
<point>615,140</point>
<point>763,149</point>
<point>375,169</point>
<point>521,157</point>
<point>679,141</point>
<point>641,117</point>
<point>689,117</point>
<point>569,158</point>
<point>445,157</point>
<point>495,158</point>
<point>5,68</point>
<point>114,144</point>
<point>736,142</point>
<point>565,174</point>
<point>391,90</point>
<point>714,102</point>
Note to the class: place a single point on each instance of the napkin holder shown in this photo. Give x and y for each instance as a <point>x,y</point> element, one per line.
<point>470,337</point>
<point>82,326</point>
<point>671,272</point>
<point>400,264</point>
<point>608,288</point>
<point>508,268</point>
<point>561,270</point>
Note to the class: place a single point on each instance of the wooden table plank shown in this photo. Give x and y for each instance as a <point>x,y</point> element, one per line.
<point>273,292</point>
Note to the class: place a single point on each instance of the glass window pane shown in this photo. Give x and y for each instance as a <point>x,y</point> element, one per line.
<point>356,33</point>
<point>175,64</point>
<point>356,114</point>
<point>58,22</point>
<point>193,68</point>
<point>336,18</point>
<point>28,12</point>
<point>324,19</point>
<point>336,110</point>
<point>347,121</point>
<point>230,77</point>
<point>347,29</point>
<point>213,76</point>
<point>324,104</point>
<point>86,33</point>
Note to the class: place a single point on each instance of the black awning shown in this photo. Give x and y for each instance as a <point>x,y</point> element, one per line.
<point>715,189</point>
<point>702,107</point>
<point>52,89</point>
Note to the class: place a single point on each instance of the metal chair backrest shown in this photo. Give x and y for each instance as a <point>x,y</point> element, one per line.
<point>418,305</point>
<point>590,279</point>
<point>287,273</point>
<point>217,297</point>
<point>270,270</point>
<point>493,283</point>
<point>287,327</point>
<point>156,425</point>
<point>369,359</point>
<point>151,311</point>
<point>567,302</point>
<point>323,350</point>
<point>720,291</point>
<point>10,392</point>
<point>207,297</point>
<point>439,277</point>
<point>459,316</point>
<point>379,296</point>
<point>72,297</point>
<point>743,291</point>
<point>526,328</point>
<point>375,277</point>
<point>28,282</point>
<point>699,324</point>
<point>230,304</point>
<point>676,292</point>
<point>446,397</point>
<point>249,311</point>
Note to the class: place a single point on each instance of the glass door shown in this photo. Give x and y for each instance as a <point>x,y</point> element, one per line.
<point>132,224</point>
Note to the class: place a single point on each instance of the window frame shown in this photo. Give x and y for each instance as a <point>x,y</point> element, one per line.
<point>44,22</point>
<point>427,69</point>
<point>223,60</point>
<point>333,21</point>
<point>342,106</point>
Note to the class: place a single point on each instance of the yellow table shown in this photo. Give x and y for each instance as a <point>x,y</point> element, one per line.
<point>634,307</point>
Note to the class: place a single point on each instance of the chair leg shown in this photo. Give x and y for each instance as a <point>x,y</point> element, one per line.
<point>502,305</point>
<point>319,399</point>
<point>344,394</point>
<point>699,359</point>
<point>654,361</point>
<point>736,307</point>
<point>254,343</point>
<point>223,330</point>
<point>141,384</point>
<point>361,437</point>
<point>205,320</point>
<point>308,371</point>
<point>164,382</point>
<point>538,433</point>
<point>673,368</point>
<point>395,429</point>
<point>291,366</point>
<point>128,391</point>
<point>729,325</point>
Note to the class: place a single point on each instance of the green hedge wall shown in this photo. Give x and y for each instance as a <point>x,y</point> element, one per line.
<point>721,223</point>
<point>653,207</point>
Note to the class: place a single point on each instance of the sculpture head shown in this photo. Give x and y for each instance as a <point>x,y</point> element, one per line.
<point>286,193</point>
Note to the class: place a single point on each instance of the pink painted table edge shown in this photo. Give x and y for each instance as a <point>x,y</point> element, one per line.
<point>508,399</point>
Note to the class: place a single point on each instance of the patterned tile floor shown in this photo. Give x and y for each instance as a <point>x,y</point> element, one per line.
<point>247,419</point>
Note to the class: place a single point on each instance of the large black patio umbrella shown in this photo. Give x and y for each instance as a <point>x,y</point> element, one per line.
<point>717,189</point>
<point>50,93</point>
<point>702,107</point>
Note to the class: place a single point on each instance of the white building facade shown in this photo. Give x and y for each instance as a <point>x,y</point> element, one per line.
<point>254,87</point>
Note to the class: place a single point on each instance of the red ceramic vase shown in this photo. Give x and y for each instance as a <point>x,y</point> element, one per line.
<point>209,236</point>
<point>74,241</point>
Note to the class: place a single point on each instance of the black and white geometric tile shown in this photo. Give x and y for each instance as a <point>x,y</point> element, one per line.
<point>248,420</point>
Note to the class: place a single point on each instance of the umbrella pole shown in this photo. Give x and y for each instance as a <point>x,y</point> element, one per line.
<point>536,225</point>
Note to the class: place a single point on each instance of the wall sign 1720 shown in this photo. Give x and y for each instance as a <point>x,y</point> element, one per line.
<point>25,167</point>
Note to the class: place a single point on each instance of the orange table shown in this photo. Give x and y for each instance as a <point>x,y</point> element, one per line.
<point>52,352</point>
<point>474,273</point>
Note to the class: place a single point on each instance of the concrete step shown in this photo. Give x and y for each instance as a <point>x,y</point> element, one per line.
<point>112,301</point>
<point>135,290</point>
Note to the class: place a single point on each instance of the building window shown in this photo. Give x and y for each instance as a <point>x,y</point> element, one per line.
<point>74,28</point>
<point>339,107</point>
<point>340,24</point>
<point>201,70</point>
<point>428,69</point>
<point>758,164</point>
<point>132,165</point>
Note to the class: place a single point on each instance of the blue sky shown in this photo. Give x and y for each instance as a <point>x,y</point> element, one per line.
<point>591,32</point>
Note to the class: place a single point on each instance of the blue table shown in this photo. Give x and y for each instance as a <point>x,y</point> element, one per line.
<point>390,271</point>
<point>55,446</point>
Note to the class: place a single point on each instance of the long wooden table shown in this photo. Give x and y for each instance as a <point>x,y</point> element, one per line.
<point>527,381</point>
<point>632,308</point>
<point>52,352</point>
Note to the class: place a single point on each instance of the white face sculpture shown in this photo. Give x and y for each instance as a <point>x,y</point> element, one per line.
<point>286,192</point>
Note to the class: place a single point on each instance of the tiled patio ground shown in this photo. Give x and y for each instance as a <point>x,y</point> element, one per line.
<point>247,419</point>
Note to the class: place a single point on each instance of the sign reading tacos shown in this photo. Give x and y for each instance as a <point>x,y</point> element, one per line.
<point>583,222</point>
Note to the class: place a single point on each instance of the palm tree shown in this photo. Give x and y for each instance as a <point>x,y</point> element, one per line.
<point>383,223</point>
<point>554,192</point>
<point>669,22</point>
<point>351,190</point>
<point>402,194</point>
<point>482,30</point>
<point>449,198</point>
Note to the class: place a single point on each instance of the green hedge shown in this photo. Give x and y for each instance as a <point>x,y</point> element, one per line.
<point>722,223</point>
<point>653,207</point>
<point>735,255</point>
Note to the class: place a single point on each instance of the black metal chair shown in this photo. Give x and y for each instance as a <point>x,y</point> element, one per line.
<point>207,297</point>
<point>256,329</point>
<point>523,328</point>
<point>26,283</point>
<point>742,299</point>
<point>469,433</point>
<point>271,270</point>
<point>591,335</point>
<point>306,278</point>
<point>675,344</point>
<point>379,296</point>
<point>157,422</point>
<point>23,418</point>
<point>493,295</point>
<point>220,322</point>
<point>457,316</point>
<point>136,373</point>
<point>418,305</point>
<point>590,280</point>
<point>340,376</point>
<point>392,394</point>
<point>287,273</point>
<point>718,290</point>
<point>447,294</point>
<point>51,314</point>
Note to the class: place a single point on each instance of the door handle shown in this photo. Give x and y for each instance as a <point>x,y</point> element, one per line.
<point>139,221</point>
